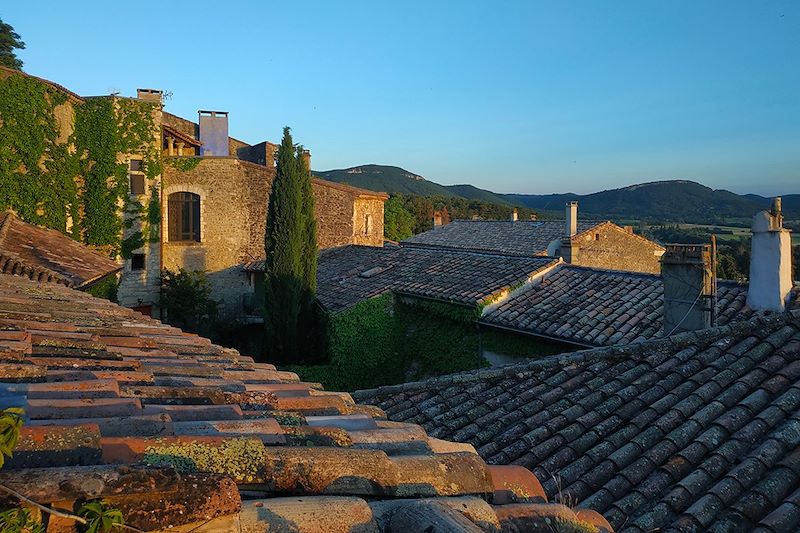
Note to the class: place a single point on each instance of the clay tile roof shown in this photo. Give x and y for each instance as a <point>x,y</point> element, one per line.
<point>349,188</point>
<point>523,237</point>
<point>350,274</point>
<point>596,307</point>
<point>695,432</point>
<point>169,130</point>
<point>182,434</point>
<point>48,255</point>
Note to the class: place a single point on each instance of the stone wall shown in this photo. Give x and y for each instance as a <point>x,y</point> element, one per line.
<point>139,288</point>
<point>612,247</point>
<point>233,198</point>
<point>233,212</point>
<point>368,221</point>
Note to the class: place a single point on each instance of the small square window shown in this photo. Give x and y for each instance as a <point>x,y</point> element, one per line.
<point>136,183</point>
<point>137,262</point>
<point>135,165</point>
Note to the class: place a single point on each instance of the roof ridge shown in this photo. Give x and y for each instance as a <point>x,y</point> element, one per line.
<point>590,355</point>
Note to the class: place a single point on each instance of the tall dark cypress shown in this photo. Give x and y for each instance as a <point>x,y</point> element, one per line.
<point>291,262</point>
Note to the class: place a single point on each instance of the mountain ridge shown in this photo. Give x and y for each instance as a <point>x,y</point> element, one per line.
<point>677,200</point>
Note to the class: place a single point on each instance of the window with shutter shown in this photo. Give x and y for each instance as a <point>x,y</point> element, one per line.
<point>184,216</point>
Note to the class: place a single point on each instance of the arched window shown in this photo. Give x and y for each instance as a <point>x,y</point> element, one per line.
<point>184,216</point>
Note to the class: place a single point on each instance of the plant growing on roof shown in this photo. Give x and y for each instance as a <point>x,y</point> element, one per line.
<point>100,517</point>
<point>291,264</point>
<point>95,516</point>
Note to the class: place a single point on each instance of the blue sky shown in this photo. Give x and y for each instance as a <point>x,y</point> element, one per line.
<point>528,96</point>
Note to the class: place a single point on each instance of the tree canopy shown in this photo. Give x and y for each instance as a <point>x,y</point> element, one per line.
<point>290,279</point>
<point>9,41</point>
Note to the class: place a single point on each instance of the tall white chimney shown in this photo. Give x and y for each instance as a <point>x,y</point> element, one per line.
<point>770,261</point>
<point>514,215</point>
<point>572,219</point>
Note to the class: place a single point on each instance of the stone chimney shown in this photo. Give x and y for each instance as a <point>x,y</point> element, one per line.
<point>572,219</point>
<point>770,261</point>
<point>307,158</point>
<point>150,95</point>
<point>437,220</point>
<point>688,281</point>
<point>514,215</point>
<point>213,133</point>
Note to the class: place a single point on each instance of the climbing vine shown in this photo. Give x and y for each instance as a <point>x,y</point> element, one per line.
<point>50,176</point>
<point>37,172</point>
<point>184,164</point>
<point>391,339</point>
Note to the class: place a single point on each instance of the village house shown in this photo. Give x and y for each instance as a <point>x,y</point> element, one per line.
<point>215,192</point>
<point>600,244</point>
<point>194,197</point>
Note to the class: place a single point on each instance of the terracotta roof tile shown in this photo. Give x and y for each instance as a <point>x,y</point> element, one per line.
<point>699,430</point>
<point>523,237</point>
<point>48,255</point>
<point>595,307</point>
<point>122,407</point>
<point>351,274</point>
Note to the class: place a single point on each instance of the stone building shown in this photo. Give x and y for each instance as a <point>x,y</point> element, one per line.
<point>599,244</point>
<point>196,197</point>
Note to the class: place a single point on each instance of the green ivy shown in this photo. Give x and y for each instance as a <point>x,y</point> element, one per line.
<point>46,181</point>
<point>184,164</point>
<point>37,174</point>
<point>389,339</point>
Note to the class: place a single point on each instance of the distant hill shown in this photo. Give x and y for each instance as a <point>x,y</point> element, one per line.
<point>383,178</point>
<point>675,200</point>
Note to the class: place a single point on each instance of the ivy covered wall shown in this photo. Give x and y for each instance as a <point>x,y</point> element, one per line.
<point>394,339</point>
<point>63,162</point>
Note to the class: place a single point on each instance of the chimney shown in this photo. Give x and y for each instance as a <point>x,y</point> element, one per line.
<point>514,215</point>
<point>150,95</point>
<point>572,219</point>
<point>213,133</point>
<point>688,287</point>
<point>437,220</point>
<point>628,229</point>
<point>307,158</point>
<point>770,261</point>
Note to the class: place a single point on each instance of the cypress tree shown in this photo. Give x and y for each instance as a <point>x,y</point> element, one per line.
<point>291,264</point>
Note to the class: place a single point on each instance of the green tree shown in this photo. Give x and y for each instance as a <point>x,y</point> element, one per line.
<point>290,279</point>
<point>9,40</point>
<point>398,222</point>
<point>186,298</point>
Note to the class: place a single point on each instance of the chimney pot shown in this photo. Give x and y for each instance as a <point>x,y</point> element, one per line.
<point>437,220</point>
<point>514,215</point>
<point>572,219</point>
<point>770,261</point>
<point>150,95</point>
<point>307,158</point>
<point>213,132</point>
<point>688,287</point>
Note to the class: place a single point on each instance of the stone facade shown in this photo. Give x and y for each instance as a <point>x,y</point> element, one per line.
<point>234,195</point>
<point>139,287</point>
<point>612,247</point>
